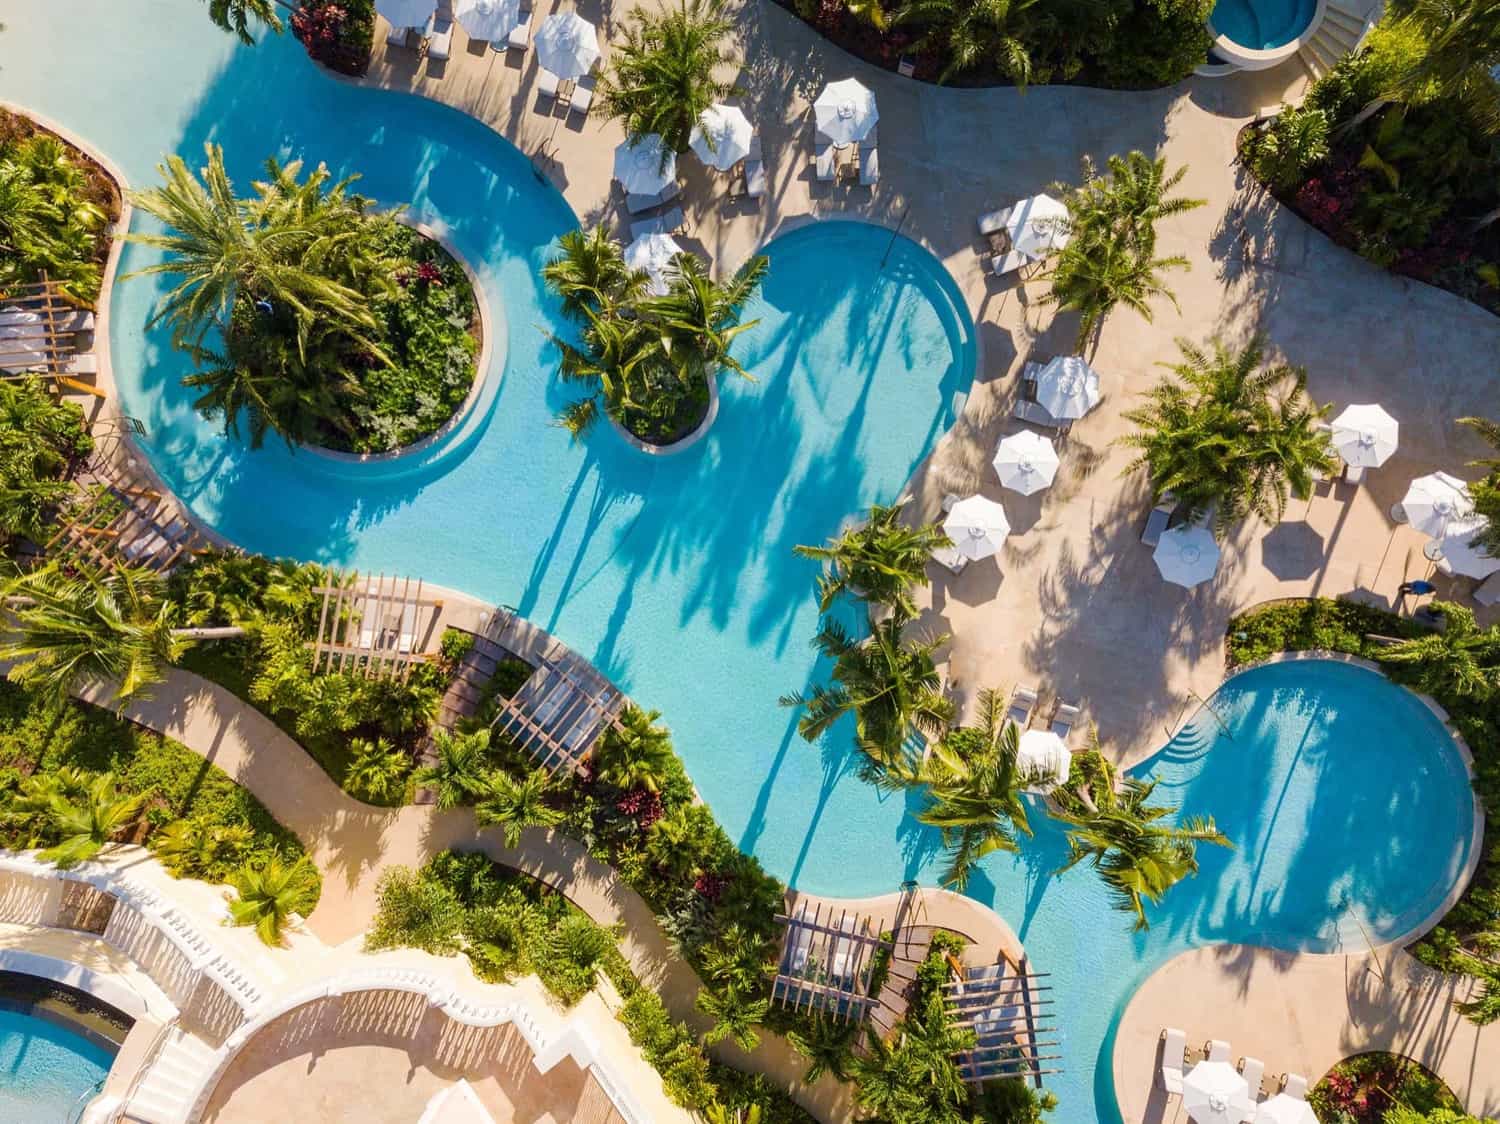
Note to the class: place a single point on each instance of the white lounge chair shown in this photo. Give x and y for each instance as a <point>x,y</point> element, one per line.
<point>1253,1070</point>
<point>1157,521</point>
<point>951,557</point>
<point>1217,1050</point>
<point>441,44</point>
<point>519,38</point>
<point>546,86</point>
<point>1022,706</point>
<point>1008,262</point>
<point>869,166</point>
<point>994,222</point>
<point>1064,718</point>
<point>1294,1085</point>
<point>871,139</point>
<point>583,97</point>
<point>1173,1054</point>
<point>396,36</point>
<point>84,363</point>
<point>1034,413</point>
<point>824,164</point>
<point>1354,474</point>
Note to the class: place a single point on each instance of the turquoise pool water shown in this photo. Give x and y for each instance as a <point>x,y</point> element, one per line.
<point>676,575</point>
<point>45,1069</point>
<point>1262,25</point>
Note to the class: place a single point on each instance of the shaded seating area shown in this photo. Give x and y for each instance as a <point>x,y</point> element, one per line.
<point>560,711</point>
<point>1213,1088</point>
<point>43,333</point>
<point>825,964</point>
<point>377,627</point>
<point>1006,1007</point>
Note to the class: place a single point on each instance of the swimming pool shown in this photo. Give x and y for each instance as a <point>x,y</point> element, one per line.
<point>675,574</point>
<point>1262,25</point>
<point>45,1068</point>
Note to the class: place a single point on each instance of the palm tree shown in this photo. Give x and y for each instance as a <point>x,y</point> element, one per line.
<point>1484,1007</point>
<point>827,1044</point>
<point>1486,493</point>
<point>971,32</point>
<point>271,893</point>
<point>1226,436</point>
<point>735,1015</point>
<point>662,76</point>
<point>377,769</point>
<point>38,440</point>
<point>1113,827</point>
<point>635,752</point>
<point>235,16</point>
<point>611,362</point>
<point>87,823</point>
<point>974,790</point>
<point>119,626</point>
<point>460,772</point>
<point>1462,659</point>
<point>879,560</point>
<point>699,318</point>
<point>1092,276</point>
<point>915,1077</point>
<point>590,275</point>
<point>1127,201</point>
<point>516,805</point>
<point>195,847</point>
<point>888,682</point>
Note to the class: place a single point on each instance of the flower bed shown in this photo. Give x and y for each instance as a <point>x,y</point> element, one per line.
<point>1364,1088</point>
<point>337,33</point>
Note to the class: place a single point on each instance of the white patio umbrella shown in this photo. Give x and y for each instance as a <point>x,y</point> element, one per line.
<point>977,527</point>
<point>487,19</point>
<point>846,111</point>
<point>1026,462</point>
<point>1214,1093</point>
<point>653,253</point>
<point>1456,556</point>
<point>1435,500</point>
<point>567,45</point>
<point>1042,758</point>
<point>721,139</point>
<point>639,166</point>
<point>1282,1109</point>
<point>1067,387</point>
<point>1365,435</point>
<point>1187,555</point>
<point>406,13</point>
<point>1038,226</point>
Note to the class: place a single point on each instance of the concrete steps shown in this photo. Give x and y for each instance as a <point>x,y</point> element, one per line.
<point>1340,34</point>
<point>166,1093</point>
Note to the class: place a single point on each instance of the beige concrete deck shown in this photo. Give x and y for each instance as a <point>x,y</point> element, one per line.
<point>1302,1014</point>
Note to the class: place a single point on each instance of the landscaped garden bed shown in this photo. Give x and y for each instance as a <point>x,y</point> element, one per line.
<point>1373,1089</point>
<point>337,33</point>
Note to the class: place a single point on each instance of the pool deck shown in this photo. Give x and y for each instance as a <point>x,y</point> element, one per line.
<point>1302,1013</point>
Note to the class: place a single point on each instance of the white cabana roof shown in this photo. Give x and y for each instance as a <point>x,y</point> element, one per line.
<point>1365,436</point>
<point>639,167</point>
<point>1187,555</point>
<point>1214,1093</point>
<point>406,13</point>
<point>1026,462</point>
<point>977,526</point>
<point>721,139</point>
<point>1067,387</point>
<point>1435,500</point>
<point>846,111</point>
<point>567,45</point>
<point>1043,759</point>
<point>1457,556</point>
<point>1038,226</point>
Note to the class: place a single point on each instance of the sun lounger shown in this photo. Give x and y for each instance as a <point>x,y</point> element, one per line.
<point>869,166</point>
<point>79,320</point>
<point>871,139</point>
<point>1253,1070</point>
<point>1173,1053</point>
<point>396,36</point>
<point>824,164</point>
<point>669,223</point>
<point>583,97</point>
<point>546,85</point>
<point>1033,413</point>
<point>441,44</point>
<point>1064,718</point>
<point>1001,264</point>
<point>1294,1085</point>
<point>1354,474</point>
<point>635,204</point>
<point>994,222</point>
<point>84,363</point>
<point>1157,521</point>
<point>519,38</point>
<point>951,557</point>
<point>1022,706</point>
<point>1217,1050</point>
<point>755,175</point>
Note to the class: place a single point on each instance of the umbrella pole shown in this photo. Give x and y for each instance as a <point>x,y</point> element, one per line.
<point>892,243</point>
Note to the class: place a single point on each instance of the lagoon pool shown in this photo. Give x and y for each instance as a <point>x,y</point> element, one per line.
<point>45,1068</point>
<point>675,574</point>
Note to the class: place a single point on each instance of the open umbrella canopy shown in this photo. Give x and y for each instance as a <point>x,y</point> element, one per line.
<point>1038,226</point>
<point>1435,500</point>
<point>406,13</point>
<point>1214,1093</point>
<point>653,253</point>
<point>1365,435</point>
<point>1026,462</point>
<point>1282,1109</point>
<point>567,45</point>
<point>721,139</point>
<point>845,111</point>
<point>487,19</point>
<point>1067,387</point>
<point>1187,555</point>
<point>641,167</point>
<point>1042,758</point>
<point>977,526</point>
<point>1457,556</point>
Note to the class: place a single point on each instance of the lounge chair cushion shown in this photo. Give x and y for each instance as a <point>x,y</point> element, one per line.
<point>519,38</point>
<point>668,223</point>
<point>1156,523</point>
<point>583,97</point>
<point>994,222</point>
<point>871,139</point>
<point>869,166</point>
<point>396,36</point>
<point>755,179</point>
<point>754,152</point>
<point>546,83</point>
<point>951,557</point>
<point>442,39</point>
<point>1218,1050</point>
<point>1033,413</point>
<point>1296,1086</point>
<point>823,163</point>
<point>1002,264</point>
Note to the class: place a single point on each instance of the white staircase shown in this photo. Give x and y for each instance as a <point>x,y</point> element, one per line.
<point>166,1093</point>
<point>1341,33</point>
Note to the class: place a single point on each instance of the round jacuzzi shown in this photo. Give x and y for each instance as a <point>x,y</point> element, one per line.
<point>1257,34</point>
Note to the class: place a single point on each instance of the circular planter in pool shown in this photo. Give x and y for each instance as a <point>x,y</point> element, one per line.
<point>1259,34</point>
<point>683,443</point>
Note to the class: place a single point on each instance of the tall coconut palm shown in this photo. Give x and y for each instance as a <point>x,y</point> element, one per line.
<point>1229,434</point>
<point>1127,200</point>
<point>517,804</point>
<point>888,682</point>
<point>1093,276</point>
<point>377,769</point>
<point>1112,826</point>
<point>1462,659</point>
<point>880,560</point>
<point>974,790</point>
<point>590,275</point>
<point>663,75</point>
<point>85,825</point>
<point>611,363</point>
<point>269,894</point>
<point>635,752</point>
<point>915,1077</point>
<point>235,16</point>
<point>699,318</point>
<point>969,33</point>
<point>67,627</point>
<point>460,772</point>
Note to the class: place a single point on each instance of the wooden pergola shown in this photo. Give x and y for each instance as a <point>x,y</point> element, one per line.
<point>377,627</point>
<point>825,963</point>
<point>1005,1006</point>
<point>39,329</point>
<point>118,519</point>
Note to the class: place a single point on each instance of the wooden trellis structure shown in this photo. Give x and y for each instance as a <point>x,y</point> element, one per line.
<point>377,627</point>
<point>558,715</point>
<point>1005,1006</point>
<point>39,330</point>
<point>826,962</point>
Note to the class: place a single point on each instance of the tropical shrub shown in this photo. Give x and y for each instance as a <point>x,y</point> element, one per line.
<point>1365,1088</point>
<point>268,895</point>
<point>1281,153</point>
<point>336,33</point>
<point>239,16</point>
<point>41,438</point>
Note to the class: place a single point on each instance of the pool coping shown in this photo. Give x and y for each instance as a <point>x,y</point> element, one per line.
<point>1258,58</point>
<point>684,443</point>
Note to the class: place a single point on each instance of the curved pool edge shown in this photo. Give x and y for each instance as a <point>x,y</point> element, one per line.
<point>1254,58</point>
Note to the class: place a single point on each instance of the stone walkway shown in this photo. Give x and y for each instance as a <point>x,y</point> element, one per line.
<point>1303,1013</point>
